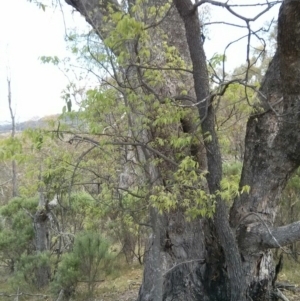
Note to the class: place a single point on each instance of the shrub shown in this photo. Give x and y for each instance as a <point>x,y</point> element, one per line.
<point>89,262</point>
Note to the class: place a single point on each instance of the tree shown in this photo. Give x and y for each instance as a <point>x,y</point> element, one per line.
<point>226,256</point>
<point>13,133</point>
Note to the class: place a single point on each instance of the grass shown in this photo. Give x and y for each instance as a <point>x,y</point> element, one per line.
<point>290,272</point>
<point>122,285</point>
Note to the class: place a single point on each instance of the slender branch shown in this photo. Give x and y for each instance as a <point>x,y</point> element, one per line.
<point>2,184</point>
<point>229,8</point>
<point>23,294</point>
<point>161,68</point>
<point>224,4</point>
<point>77,164</point>
<point>277,293</point>
<point>184,262</point>
<point>151,149</point>
<point>224,23</point>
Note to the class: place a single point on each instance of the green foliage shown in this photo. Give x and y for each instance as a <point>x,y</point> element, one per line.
<point>16,233</point>
<point>217,60</point>
<point>10,148</point>
<point>84,213</point>
<point>214,64</point>
<point>68,273</point>
<point>230,182</point>
<point>186,191</point>
<point>26,275</point>
<point>97,107</point>
<point>290,201</point>
<point>50,59</point>
<point>89,262</point>
<point>233,110</point>
<point>290,210</point>
<point>46,163</point>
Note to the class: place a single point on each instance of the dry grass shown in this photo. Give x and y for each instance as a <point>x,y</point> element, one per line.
<point>122,285</point>
<point>123,288</point>
<point>291,274</point>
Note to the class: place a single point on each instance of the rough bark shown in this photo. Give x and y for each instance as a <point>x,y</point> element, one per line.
<point>203,259</point>
<point>181,247</point>
<point>271,156</point>
<point>176,246</point>
<point>207,117</point>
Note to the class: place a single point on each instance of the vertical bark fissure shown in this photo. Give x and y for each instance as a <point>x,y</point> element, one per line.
<point>206,113</point>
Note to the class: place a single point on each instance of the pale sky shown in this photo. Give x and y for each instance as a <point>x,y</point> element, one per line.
<point>27,33</point>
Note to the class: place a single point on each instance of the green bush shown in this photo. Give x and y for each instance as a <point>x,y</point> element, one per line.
<point>16,231</point>
<point>89,262</point>
<point>27,269</point>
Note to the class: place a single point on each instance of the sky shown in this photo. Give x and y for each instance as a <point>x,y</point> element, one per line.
<point>27,33</point>
<point>220,35</point>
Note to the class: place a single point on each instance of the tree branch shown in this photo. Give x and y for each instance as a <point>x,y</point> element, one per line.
<point>283,236</point>
<point>229,8</point>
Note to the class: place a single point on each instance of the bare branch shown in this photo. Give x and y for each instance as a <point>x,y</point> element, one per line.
<point>147,146</point>
<point>224,23</point>
<point>162,68</point>
<point>183,262</point>
<point>229,8</point>
<point>281,236</point>
<point>23,294</point>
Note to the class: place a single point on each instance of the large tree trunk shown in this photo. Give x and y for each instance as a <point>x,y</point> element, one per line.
<point>226,258</point>
<point>271,156</point>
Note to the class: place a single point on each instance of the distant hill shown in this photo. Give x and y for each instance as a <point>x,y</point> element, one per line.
<point>38,123</point>
<point>29,124</point>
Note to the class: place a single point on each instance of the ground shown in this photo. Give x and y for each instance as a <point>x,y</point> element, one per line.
<point>123,288</point>
<point>291,274</point>
<point>123,285</point>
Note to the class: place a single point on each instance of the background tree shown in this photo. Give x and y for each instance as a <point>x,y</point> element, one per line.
<point>13,133</point>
